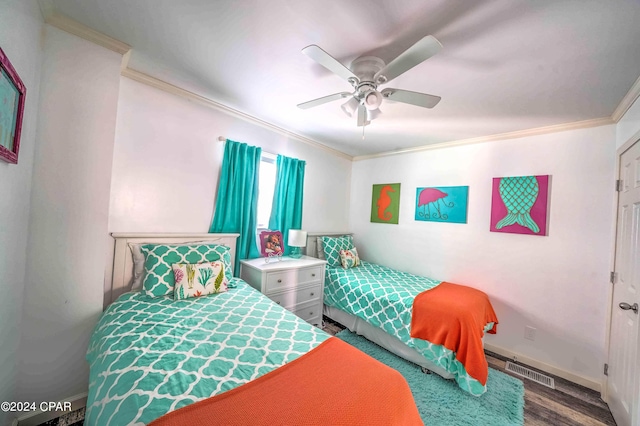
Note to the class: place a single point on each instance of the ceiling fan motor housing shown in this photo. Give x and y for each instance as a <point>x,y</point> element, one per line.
<point>366,68</point>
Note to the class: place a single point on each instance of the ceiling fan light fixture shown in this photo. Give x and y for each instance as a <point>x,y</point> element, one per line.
<point>372,114</point>
<point>350,106</point>
<point>372,100</point>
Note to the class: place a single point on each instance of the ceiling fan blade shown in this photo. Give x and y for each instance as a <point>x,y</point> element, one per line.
<point>419,52</point>
<point>324,100</point>
<point>362,116</point>
<point>328,61</point>
<point>413,98</point>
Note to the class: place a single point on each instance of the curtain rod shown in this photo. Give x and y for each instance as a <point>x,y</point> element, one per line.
<point>268,154</point>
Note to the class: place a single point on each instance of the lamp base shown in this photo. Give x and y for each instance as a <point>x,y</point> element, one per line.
<point>296,252</point>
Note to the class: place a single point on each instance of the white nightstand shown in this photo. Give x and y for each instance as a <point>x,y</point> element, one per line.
<point>295,284</point>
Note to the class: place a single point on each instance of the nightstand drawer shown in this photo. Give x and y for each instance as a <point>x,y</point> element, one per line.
<point>309,275</point>
<point>286,279</point>
<point>295,297</point>
<point>311,312</point>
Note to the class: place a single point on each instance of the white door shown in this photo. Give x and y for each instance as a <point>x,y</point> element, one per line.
<point>624,367</point>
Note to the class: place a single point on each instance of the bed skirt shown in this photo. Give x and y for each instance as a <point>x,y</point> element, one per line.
<point>382,338</point>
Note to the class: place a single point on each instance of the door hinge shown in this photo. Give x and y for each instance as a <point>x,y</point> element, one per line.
<point>606,369</point>
<point>619,185</point>
<point>612,277</point>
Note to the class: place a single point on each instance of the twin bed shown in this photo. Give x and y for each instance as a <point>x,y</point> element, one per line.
<point>238,358</point>
<point>393,308</point>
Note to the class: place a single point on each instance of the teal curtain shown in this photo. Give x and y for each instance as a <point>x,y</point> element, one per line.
<point>237,200</point>
<point>286,211</point>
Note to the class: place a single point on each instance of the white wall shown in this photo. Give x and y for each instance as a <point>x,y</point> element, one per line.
<point>20,26</point>
<point>557,284</point>
<point>629,124</point>
<point>167,161</point>
<point>68,221</point>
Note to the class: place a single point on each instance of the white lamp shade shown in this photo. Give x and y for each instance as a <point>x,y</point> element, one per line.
<point>297,238</point>
<point>350,106</point>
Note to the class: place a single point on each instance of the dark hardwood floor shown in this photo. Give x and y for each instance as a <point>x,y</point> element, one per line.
<point>568,404</point>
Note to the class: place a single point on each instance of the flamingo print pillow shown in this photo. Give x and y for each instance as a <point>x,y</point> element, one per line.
<point>200,279</point>
<point>349,258</point>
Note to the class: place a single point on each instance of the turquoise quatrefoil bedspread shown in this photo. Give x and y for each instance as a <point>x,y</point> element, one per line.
<point>384,298</point>
<point>149,356</point>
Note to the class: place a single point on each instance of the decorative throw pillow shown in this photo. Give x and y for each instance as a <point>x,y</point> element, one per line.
<point>138,262</point>
<point>332,246</point>
<point>349,258</point>
<point>159,258</point>
<point>200,279</point>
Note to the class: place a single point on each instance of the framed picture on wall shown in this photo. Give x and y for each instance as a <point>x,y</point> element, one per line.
<point>520,205</point>
<point>385,203</point>
<point>12,94</point>
<point>271,244</point>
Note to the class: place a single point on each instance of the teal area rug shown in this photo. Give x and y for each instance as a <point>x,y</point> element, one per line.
<point>441,402</point>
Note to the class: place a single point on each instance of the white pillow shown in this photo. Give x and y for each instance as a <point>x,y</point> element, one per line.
<point>138,266</point>
<point>319,248</point>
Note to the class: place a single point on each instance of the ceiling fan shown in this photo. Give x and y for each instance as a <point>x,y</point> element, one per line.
<point>367,73</point>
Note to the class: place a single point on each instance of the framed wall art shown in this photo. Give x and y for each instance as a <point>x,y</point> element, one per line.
<point>271,244</point>
<point>520,205</point>
<point>442,204</point>
<point>385,203</point>
<point>12,95</point>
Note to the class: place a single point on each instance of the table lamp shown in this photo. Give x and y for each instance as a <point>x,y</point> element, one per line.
<point>297,239</point>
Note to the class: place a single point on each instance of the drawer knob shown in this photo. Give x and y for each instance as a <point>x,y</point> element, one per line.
<point>313,294</point>
<point>313,275</point>
<point>278,302</point>
<point>279,281</point>
<point>310,313</point>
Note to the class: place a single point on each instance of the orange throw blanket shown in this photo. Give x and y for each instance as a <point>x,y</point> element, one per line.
<point>454,316</point>
<point>334,384</point>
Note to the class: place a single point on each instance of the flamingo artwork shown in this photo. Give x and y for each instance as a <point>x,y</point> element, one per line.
<point>442,204</point>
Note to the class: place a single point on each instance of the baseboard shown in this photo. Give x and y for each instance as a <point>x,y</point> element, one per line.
<point>523,359</point>
<point>34,418</point>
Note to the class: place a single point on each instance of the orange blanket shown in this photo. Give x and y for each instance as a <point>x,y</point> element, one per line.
<point>454,316</point>
<point>334,384</point>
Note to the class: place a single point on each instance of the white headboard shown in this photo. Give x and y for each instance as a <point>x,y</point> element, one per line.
<point>122,276</point>
<point>312,241</point>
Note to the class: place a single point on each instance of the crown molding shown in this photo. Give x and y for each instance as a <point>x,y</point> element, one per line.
<point>47,8</point>
<point>626,102</point>
<point>498,137</point>
<point>52,17</point>
<point>178,91</point>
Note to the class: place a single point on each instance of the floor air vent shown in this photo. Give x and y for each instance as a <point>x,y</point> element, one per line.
<point>530,374</point>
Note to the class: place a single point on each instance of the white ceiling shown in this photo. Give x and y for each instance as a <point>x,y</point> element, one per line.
<point>506,65</point>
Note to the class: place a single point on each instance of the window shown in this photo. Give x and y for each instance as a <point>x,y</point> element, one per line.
<point>266,186</point>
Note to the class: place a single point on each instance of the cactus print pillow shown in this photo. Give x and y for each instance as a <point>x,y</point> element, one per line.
<point>159,279</point>
<point>332,246</point>
<point>349,258</point>
<point>200,279</point>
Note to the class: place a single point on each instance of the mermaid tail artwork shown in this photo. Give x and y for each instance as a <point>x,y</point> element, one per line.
<point>519,195</point>
<point>384,201</point>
